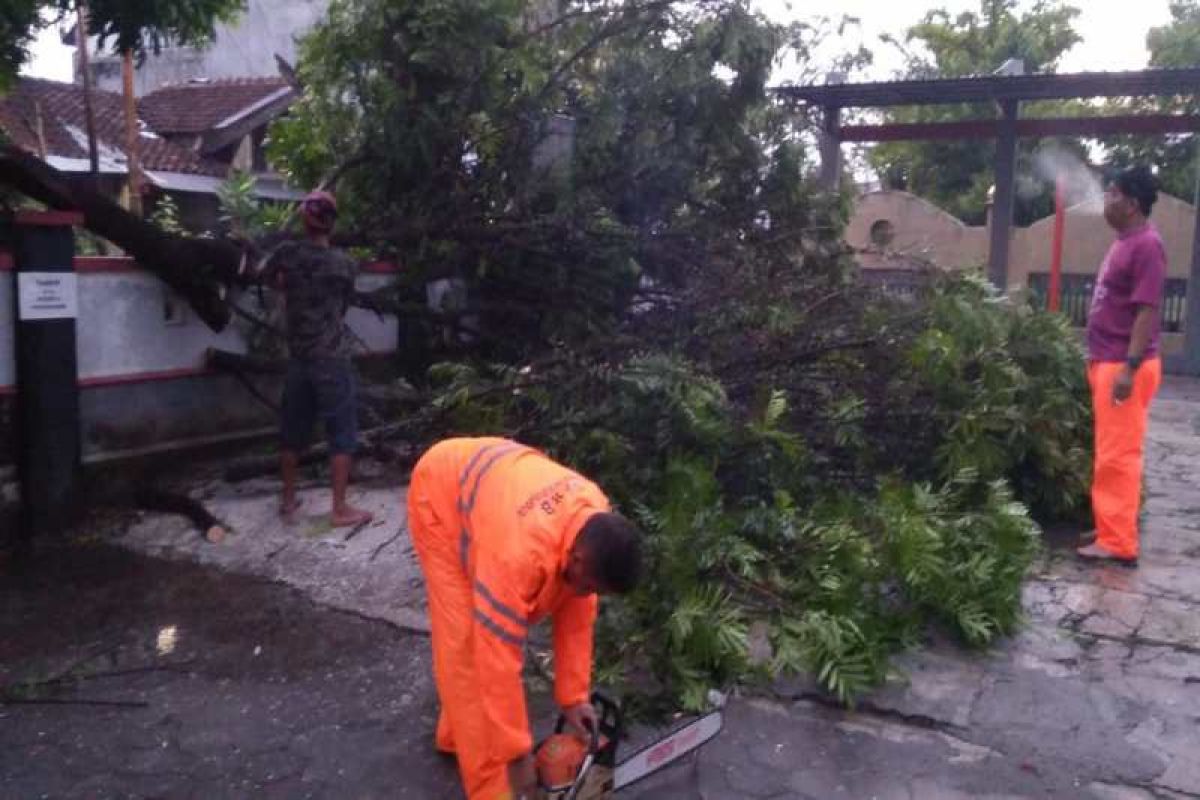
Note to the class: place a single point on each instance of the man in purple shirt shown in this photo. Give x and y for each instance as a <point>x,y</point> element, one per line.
<point>1124,369</point>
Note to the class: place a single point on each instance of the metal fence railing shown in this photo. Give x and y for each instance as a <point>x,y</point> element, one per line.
<point>895,281</point>
<point>1076,297</point>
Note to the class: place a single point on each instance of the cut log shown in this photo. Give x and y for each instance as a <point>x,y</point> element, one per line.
<point>199,269</point>
<point>150,498</point>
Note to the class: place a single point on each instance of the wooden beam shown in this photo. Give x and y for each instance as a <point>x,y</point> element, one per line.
<point>1005,198</point>
<point>999,88</point>
<point>831,149</point>
<point>921,131</point>
<point>1145,124</point>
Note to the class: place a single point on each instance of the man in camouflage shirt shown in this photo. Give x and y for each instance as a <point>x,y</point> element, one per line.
<point>318,283</point>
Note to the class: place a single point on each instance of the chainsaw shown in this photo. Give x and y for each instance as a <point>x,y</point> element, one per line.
<point>598,775</point>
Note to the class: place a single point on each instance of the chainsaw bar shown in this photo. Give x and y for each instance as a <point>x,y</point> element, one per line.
<point>667,750</point>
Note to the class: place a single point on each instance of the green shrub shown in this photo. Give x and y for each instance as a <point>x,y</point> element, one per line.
<point>1009,392</point>
<point>746,534</point>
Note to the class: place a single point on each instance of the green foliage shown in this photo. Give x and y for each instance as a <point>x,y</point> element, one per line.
<point>19,23</point>
<point>665,303</point>
<point>243,214</point>
<point>149,25</point>
<point>1176,44</point>
<point>747,529</point>
<point>166,216</point>
<point>554,161</point>
<point>971,43</point>
<point>954,175</point>
<point>1009,392</point>
<point>959,552</point>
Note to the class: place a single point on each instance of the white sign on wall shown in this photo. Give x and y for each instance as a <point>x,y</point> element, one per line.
<point>47,295</point>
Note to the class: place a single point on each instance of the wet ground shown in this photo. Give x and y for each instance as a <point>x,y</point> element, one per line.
<point>128,676</point>
<point>289,662</point>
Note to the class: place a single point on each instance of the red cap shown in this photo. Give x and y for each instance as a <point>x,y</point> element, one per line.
<point>320,197</point>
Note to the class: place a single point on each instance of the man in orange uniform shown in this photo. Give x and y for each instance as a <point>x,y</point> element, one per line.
<point>507,537</point>
<point>1124,369</point>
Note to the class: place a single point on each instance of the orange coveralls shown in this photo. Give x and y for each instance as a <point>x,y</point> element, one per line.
<point>1120,440</point>
<point>493,522</point>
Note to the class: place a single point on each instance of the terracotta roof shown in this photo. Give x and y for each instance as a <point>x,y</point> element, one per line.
<point>63,124</point>
<point>201,106</point>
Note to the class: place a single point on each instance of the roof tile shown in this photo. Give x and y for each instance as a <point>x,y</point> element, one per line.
<point>186,109</point>
<point>200,106</point>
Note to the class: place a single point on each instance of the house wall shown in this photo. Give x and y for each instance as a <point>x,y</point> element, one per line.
<point>1086,238</point>
<point>246,48</point>
<point>928,234</point>
<point>922,230</point>
<point>141,353</point>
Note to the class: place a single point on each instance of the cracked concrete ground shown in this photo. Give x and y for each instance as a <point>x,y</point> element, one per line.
<point>1097,697</point>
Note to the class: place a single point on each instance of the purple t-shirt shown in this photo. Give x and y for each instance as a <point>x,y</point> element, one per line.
<point>1132,275</point>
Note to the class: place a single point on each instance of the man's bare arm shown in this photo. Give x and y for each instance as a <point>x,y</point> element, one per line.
<point>1143,327</point>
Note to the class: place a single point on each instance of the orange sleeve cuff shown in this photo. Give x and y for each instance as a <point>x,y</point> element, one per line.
<point>573,631</point>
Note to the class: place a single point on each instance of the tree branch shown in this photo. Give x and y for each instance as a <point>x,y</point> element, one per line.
<point>199,269</point>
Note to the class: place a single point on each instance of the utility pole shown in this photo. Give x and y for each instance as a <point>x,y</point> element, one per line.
<point>81,41</point>
<point>132,137</point>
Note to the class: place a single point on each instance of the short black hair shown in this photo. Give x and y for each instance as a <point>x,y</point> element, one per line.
<point>1138,184</point>
<point>612,547</point>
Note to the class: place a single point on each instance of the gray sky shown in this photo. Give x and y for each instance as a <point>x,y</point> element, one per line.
<point>1114,33</point>
<point>1114,38</point>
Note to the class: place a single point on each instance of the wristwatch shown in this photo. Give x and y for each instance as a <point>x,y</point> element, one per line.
<point>1134,362</point>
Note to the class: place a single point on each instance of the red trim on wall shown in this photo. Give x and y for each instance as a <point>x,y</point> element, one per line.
<point>7,390</point>
<point>83,263</point>
<point>106,264</point>
<point>49,218</point>
<point>143,377</point>
<point>94,264</point>
<point>381,268</point>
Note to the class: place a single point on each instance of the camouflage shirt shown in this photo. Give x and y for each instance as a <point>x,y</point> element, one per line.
<point>317,283</point>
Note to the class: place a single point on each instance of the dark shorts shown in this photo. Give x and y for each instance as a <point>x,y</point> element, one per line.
<point>324,389</point>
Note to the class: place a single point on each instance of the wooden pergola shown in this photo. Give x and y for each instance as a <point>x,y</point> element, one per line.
<point>1007,93</point>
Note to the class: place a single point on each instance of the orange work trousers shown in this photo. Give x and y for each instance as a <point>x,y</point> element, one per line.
<point>1120,436</point>
<point>461,727</point>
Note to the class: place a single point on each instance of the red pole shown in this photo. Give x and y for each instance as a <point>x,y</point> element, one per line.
<point>1060,213</point>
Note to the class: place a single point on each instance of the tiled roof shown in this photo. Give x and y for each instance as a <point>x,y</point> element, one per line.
<point>63,124</point>
<point>200,106</point>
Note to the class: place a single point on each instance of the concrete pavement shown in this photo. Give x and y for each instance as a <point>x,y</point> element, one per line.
<point>1097,697</point>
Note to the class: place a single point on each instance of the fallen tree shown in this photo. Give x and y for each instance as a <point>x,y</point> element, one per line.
<point>664,301</point>
<point>201,270</point>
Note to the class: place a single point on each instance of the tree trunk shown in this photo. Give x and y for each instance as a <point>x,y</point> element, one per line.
<point>199,269</point>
